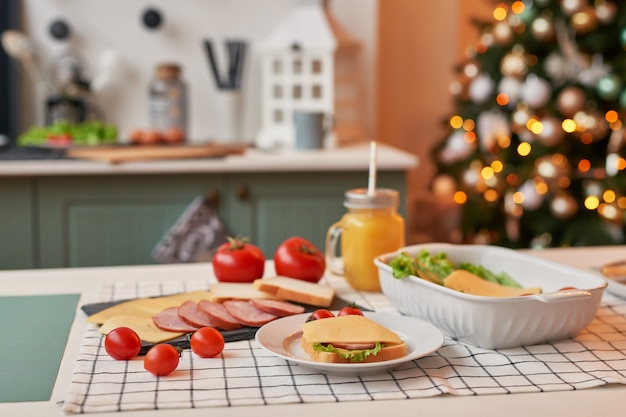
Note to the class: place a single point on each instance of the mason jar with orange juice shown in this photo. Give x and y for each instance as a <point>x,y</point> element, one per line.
<point>371,227</point>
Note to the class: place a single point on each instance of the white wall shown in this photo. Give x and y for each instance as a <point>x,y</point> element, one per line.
<point>98,25</point>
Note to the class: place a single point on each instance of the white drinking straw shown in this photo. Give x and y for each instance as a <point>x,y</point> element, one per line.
<point>371,186</point>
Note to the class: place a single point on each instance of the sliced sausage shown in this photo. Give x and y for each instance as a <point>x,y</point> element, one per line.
<point>191,314</point>
<point>247,314</point>
<point>277,307</point>
<point>170,321</point>
<point>219,315</point>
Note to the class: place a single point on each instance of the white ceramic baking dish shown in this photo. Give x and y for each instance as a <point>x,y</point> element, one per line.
<point>495,322</point>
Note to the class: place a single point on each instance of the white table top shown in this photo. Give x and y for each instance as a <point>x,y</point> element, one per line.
<point>605,401</point>
<point>348,158</point>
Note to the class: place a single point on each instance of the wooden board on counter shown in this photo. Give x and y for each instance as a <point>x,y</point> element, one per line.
<point>130,153</point>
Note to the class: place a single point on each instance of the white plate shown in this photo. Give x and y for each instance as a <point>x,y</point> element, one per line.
<point>282,338</point>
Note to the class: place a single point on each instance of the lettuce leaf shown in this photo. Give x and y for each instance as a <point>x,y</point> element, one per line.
<point>352,355</point>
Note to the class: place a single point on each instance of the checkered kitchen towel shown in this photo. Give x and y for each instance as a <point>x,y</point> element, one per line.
<point>245,374</point>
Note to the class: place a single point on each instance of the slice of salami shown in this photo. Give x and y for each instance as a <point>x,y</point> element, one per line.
<point>277,307</point>
<point>247,314</point>
<point>219,315</point>
<point>170,321</point>
<point>191,314</point>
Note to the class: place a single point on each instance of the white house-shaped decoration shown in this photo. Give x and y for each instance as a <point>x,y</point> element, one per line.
<point>299,71</point>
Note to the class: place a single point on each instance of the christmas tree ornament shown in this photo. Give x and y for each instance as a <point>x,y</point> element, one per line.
<point>605,12</point>
<point>585,21</point>
<point>444,186</point>
<point>563,206</point>
<point>502,33</point>
<point>490,126</point>
<point>551,134</point>
<point>514,64</point>
<point>511,87</point>
<point>542,29</point>
<point>571,7</point>
<point>530,198</point>
<point>481,88</point>
<point>535,91</point>
<point>609,87</point>
<point>456,148</point>
<point>570,101</point>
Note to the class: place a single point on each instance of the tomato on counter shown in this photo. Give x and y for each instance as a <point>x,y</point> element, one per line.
<point>207,342</point>
<point>350,310</point>
<point>122,343</point>
<point>238,261</point>
<point>161,359</point>
<point>298,258</point>
<point>320,314</point>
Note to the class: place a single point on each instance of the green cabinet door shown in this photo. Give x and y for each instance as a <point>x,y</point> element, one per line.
<point>17,234</point>
<point>270,207</point>
<point>112,220</point>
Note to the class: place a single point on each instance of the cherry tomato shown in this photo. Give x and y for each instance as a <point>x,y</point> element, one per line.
<point>161,359</point>
<point>298,258</point>
<point>61,140</point>
<point>207,342</point>
<point>173,135</point>
<point>122,343</point>
<point>238,261</point>
<point>320,314</point>
<point>350,311</point>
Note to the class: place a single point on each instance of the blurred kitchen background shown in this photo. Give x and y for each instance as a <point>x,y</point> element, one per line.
<point>408,51</point>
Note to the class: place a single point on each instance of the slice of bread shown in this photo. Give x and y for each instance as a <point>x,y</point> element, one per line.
<point>297,290</point>
<point>386,354</point>
<point>224,291</point>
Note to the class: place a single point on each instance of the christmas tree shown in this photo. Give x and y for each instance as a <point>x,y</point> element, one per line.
<point>534,150</point>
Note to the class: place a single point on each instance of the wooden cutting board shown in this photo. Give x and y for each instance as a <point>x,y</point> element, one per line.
<point>129,153</point>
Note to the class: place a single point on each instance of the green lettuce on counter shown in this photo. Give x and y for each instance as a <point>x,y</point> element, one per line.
<point>84,133</point>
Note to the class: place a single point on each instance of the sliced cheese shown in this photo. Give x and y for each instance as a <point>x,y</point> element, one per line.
<point>224,291</point>
<point>142,324</point>
<point>149,306</point>
<point>348,329</point>
<point>468,283</point>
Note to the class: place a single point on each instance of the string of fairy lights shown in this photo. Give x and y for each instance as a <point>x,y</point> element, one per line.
<point>524,116</point>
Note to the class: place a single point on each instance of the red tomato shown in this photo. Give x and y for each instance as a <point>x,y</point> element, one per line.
<point>61,140</point>
<point>122,343</point>
<point>320,314</point>
<point>173,135</point>
<point>238,261</point>
<point>161,359</point>
<point>207,342</point>
<point>350,311</point>
<point>298,258</point>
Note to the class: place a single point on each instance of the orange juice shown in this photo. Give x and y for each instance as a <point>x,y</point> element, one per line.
<point>371,227</point>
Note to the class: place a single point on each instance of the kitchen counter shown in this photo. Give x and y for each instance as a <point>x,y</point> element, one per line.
<point>606,400</point>
<point>349,158</point>
<point>78,213</point>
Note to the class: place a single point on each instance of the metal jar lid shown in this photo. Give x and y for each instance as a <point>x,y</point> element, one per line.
<point>382,197</point>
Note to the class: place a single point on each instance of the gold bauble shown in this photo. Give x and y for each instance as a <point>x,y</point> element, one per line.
<point>570,101</point>
<point>514,64</point>
<point>584,21</point>
<point>502,33</point>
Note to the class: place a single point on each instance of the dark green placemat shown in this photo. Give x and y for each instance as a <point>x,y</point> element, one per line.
<point>33,335</point>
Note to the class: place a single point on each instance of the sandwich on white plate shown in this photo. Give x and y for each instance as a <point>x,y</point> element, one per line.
<point>350,339</point>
